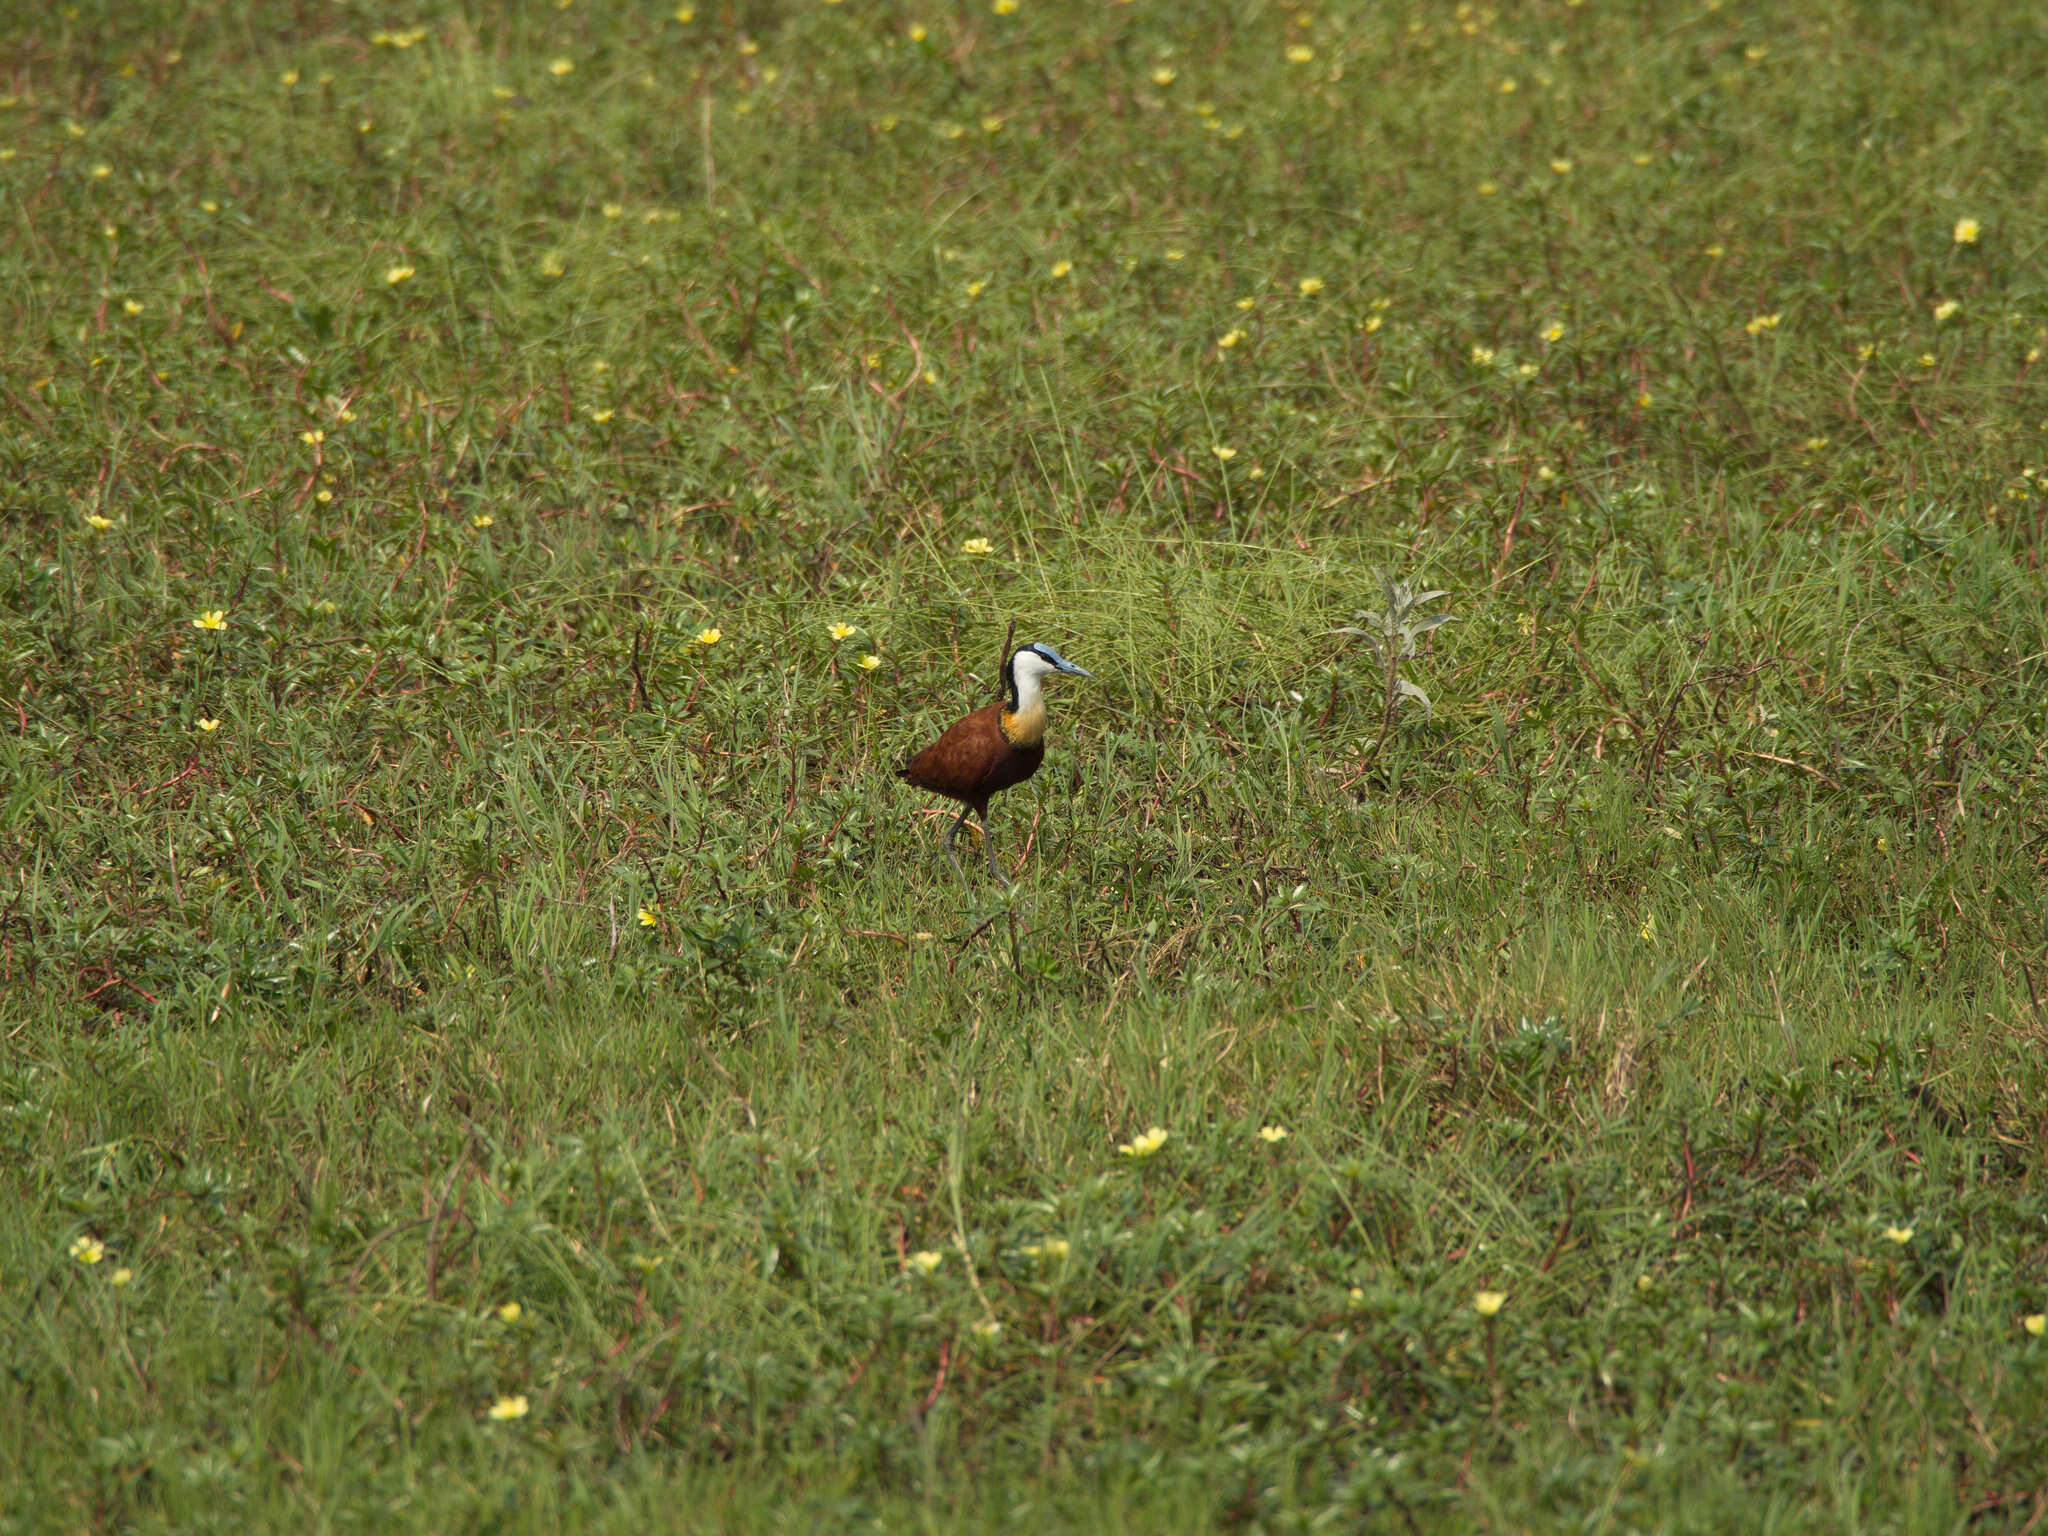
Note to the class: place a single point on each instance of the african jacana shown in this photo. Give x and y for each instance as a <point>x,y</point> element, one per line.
<point>998,745</point>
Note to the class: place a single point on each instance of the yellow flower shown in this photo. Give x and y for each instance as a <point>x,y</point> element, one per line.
<point>313,437</point>
<point>977,547</point>
<point>1507,87</point>
<point>1271,1134</point>
<point>869,661</point>
<point>1163,76</point>
<point>1247,302</point>
<point>131,307</point>
<point>1644,398</point>
<point>1756,325</point>
<point>1754,52</point>
<point>924,1262</point>
<point>1967,231</point>
<point>102,172</point>
<point>709,636</point>
<point>1175,253</point>
<point>393,276</point>
<point>985,1328</point>
<point>207,727</point>
<point>1141,1147</point>
<point>1062,268</point>
<point>601,416</point>
<point>289,77</point>
<point>510,1311</point>
<point>1926,359</point>
<point>1645,1283</point>
<point>612,210</point>
<point>1224,452</point>
<point>1300,53</point>
<point>1004,7</point>
<point>124,1274</point>
<point>1309,286</point>
<point>513,1407</point>
<point>991,123</point>
<point>1488,1303</point>
<point>974,289</point>
<point>840,630</point>
<point>1815,444</point>
<point>1562,166</point>
<point>648,918</point>
<point>481,521</point>
<point>1529,371</point>
<point>1639,158</point>
<point>917,32</point>
<point>213,618</point>
<point>2036,1323</point>
<point>323,496</point>
<point>1714,252</point>
<point>88,1250</point>
<point>685,15</point>
<point>97,523</point>
<point>1230,338</point>
<point>1481,356</point>
<point>1946,308</point>
<point>1488,188</point>
<point>558,68</point>
<point>1900,1235</point>
<point>1648,932</point>
<point>1052,1248</point>
<point>1554,331</point>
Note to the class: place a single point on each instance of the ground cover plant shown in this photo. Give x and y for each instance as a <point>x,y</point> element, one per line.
<point>490,492</point>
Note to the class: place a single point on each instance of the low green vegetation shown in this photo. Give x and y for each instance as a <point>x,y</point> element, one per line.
<point>489,493</point>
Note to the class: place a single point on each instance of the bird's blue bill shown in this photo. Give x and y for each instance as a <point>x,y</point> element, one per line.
<point>1062,663</point>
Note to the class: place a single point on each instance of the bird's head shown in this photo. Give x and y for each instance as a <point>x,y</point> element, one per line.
<point>1030,663</point>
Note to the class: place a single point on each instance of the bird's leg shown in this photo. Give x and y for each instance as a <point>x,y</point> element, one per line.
<point>988,846</point>
<point>946,842</point>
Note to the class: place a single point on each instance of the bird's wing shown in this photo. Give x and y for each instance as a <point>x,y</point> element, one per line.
<point>961,758</point>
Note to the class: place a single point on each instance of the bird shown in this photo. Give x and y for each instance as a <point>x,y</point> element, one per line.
<point>996,746</point>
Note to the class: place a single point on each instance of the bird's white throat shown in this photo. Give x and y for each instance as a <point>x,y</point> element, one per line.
<point>1027,669</point>
<point>1023,723</point>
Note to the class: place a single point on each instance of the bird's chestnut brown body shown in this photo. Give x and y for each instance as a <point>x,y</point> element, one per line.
<point>976,758</point>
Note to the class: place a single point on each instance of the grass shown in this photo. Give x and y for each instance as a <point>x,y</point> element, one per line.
<point>454,982</point>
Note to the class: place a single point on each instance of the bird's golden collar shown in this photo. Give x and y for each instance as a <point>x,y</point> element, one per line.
<point>1024,727</point>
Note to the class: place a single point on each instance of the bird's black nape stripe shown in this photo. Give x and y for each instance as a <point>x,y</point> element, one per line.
<point>1010,678</point>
